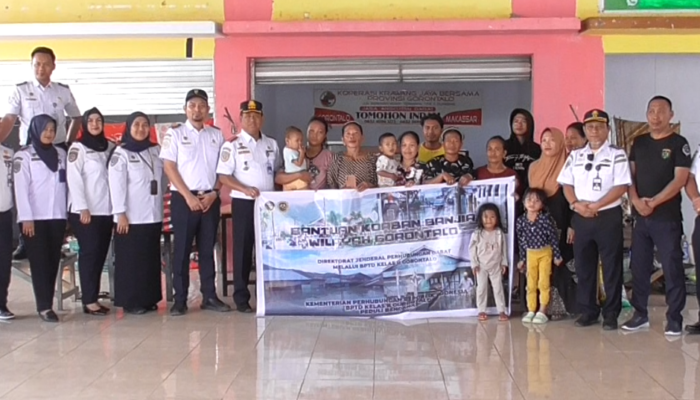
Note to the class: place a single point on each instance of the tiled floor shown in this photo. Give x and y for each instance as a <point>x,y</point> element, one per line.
<point>232,356</point>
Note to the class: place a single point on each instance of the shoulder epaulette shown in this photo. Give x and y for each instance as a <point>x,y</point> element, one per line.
<point>615,147</point>
<point>176,125</point>
<point>23,83</point>
<point>63,85</point>
<point>215,127</point>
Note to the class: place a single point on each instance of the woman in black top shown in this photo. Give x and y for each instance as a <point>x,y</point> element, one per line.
<point>521,149</point>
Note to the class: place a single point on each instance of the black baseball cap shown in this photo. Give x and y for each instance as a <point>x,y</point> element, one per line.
<point>252,106</point>
<point>596,115</point>
<point>197,93</point>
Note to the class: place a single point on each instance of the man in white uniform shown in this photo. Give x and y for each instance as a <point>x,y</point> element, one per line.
<point>41,96</point>
<point>190,153</point>
<point>247,165</point>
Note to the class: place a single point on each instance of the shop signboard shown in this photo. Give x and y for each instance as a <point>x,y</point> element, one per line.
<point>399,252</point>
<point>382,108</point>
<point>651,5</point>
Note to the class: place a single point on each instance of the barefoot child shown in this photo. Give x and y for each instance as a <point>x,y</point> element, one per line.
<point>489,257</point>
<point>538,243</point>
<point>294,157</point>
<point>387,166</point>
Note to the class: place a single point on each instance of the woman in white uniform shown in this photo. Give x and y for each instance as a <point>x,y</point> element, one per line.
<point>41,193</point>
<point>90,208</point>
<point>135,177</point>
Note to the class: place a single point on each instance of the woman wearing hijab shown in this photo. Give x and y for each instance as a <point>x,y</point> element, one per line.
<point>543,175</point>
<point>521,149</point>
<point>41,192</point>
<point>90,207</point>
<point>135,178</point>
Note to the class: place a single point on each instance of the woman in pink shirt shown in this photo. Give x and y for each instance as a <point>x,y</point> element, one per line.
<point>319,158</point>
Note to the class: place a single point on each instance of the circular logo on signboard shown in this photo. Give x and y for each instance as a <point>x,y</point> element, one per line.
<point>284,206</point>
<point>327,99</point>
<point>269,206</point>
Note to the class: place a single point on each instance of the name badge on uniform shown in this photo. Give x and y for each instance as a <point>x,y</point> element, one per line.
<point>62,175</point>
<point>597,184</point>
<point>154,187</point>
<point>245,166</point>
<point>269,168</point>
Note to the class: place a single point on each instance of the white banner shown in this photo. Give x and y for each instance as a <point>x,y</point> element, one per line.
<point>400,252</point>
<point>398,107</point>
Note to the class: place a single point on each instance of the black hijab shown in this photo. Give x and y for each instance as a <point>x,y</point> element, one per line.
<point>128,141</point>
<point>46,152</point>
<point>98,143</point>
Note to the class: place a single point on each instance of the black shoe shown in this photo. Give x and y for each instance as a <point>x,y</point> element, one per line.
<point>20,253</point>
<point>152,308</point>
<point>5,314</point>
<point>610,323</point>
<point>586,320</point>
<point>48,316</point>
<point>693,329</point>
<point>636,323</point>
<point>214,304</point>
<point>178,309</point>
<point>245,309</point>
<point>673,328</point>
<point>102,311</point>
<point>135,310</point>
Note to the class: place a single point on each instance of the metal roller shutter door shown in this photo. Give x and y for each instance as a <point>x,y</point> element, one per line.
<point>122,87</point>
<point>312,71</point>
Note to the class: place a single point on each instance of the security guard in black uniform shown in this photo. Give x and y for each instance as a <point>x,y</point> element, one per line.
<point>594,179</point>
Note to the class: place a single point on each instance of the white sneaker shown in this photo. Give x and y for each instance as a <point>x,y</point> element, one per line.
<point>540,318</point>
<point>528,317</point>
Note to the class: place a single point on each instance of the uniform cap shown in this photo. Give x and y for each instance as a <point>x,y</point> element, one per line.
<point>251,106</point>
<point>196,93</point>
<point>596,115</point>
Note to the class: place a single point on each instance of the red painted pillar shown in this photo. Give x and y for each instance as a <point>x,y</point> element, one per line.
<point>569,71</point>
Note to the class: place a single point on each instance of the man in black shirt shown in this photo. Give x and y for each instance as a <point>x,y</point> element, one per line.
<point>660,162</point>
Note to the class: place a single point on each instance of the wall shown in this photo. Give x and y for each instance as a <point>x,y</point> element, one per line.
<point>293,105</point>
<point>632,80</point>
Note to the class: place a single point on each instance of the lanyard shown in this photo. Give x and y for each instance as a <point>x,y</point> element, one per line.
<point>151,165</point>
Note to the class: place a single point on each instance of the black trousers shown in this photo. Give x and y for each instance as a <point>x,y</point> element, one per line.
<point>44,253</point>
<point>243,244</point>
<point>666,236</point>
<point>5,255</point>
<point>188,226</point>
<point>599,237</point>
<point>93,239</point>
<point>696,251</point>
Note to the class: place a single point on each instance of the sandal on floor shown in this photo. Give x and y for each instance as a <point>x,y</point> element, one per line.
<point>540,318</point>
<point>502,317</point>
<point>528,317</point>
<point>483,317</point>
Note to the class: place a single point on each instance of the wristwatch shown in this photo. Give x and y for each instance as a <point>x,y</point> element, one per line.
<point>572,206</point>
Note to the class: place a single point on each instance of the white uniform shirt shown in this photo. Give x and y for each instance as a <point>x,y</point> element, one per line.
<point>196,154</point>
<point>251,162</point>
<point>39,192</point>
<point>130,176</point>
<point>695,166</point>
<point>30,99</point>
<point>593,175</point>
<point>88,182</point>
<point>6,194</point>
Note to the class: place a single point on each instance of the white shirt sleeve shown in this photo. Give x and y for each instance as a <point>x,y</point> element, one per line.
<point>22,178</point>
<point>76,184</point>
<point>566,176</point>
<point>14,105</point>
<point>227,160</point>
<point>71,108</point>
<point>474,249</point>
<point>694,166</point>
<point>621,169</point>
<point>169,148</point>
<point>289,157</point>
<point>382,163</point>
<point>118,180</point>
